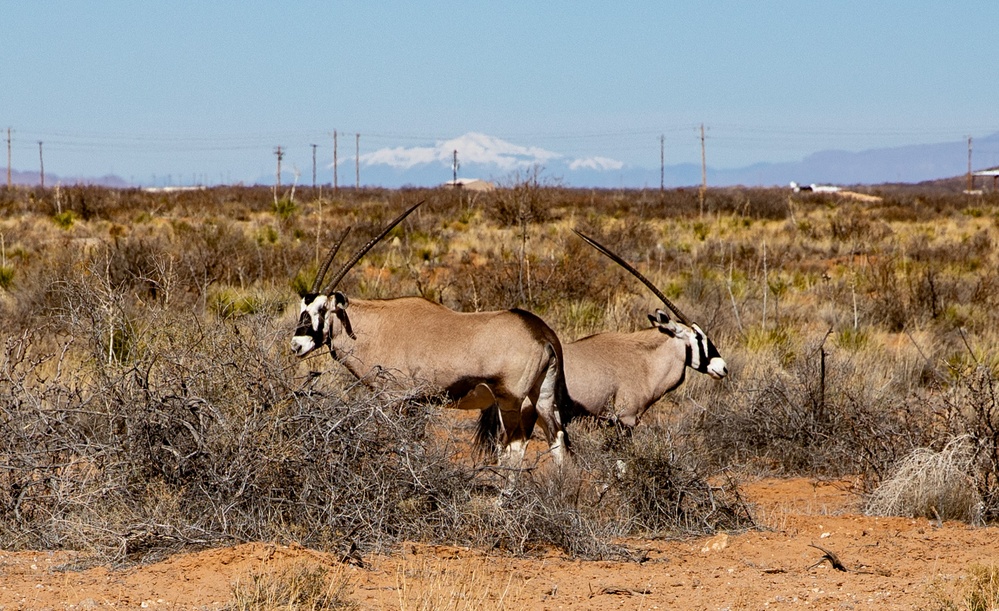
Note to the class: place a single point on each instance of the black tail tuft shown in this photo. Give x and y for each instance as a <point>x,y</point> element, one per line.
<point>487,436</point>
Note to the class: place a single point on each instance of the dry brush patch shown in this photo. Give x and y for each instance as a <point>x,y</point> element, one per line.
<point>937,485</point>
<point>149,404</point>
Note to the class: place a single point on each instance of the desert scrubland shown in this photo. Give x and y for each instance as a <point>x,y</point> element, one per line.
<point>153,419</point>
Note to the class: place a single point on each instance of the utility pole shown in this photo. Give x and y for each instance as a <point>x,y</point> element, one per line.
<point>357,161</point>
<point>336,187</point>
<point>704,171</point>
<point>280,154</point>
<point>41,164</point>
<point>454,167</point>
<point>313,166</point>
<point>662,163</point>
<point>971,178</point>
<point>8,159</point>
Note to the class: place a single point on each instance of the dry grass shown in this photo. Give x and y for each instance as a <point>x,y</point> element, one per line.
<point>432,584</point>
<point>301,587</point>
<point>978,592</point>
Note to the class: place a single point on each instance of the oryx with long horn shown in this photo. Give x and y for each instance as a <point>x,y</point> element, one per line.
<point>510,359</point>
<point>618,376</point>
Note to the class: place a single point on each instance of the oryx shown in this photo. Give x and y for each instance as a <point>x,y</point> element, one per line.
<point>618,376</point>
<point>510,359</point>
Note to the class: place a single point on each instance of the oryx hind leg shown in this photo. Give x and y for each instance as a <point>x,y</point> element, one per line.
<point>547,411</point>
<point>513,443</point>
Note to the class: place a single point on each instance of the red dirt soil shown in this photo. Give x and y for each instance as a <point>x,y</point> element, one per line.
<point>893,563</point>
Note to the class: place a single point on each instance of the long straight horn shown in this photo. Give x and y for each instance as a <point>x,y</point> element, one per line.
<point>329,259</point>
<point>637,274</point>
<point>357,256</point>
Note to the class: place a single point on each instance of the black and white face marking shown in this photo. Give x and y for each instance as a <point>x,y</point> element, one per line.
<point>312,327</point>
<point>704,357</point>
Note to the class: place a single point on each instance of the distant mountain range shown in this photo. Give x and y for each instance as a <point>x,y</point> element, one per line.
<point>490,158</point>
<point>32,178</point>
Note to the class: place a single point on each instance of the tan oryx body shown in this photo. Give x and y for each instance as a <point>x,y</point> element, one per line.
<point>618,376</point>
<point>507,360</point>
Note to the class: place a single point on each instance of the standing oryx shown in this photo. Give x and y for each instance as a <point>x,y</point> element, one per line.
<point>620,375</point>
<point>510,360</point>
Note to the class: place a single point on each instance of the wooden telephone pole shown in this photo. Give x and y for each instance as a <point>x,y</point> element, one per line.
<point>357,161</point>
<point>662,163</point>
<point>971,178</point>
<point>314,166</point>
<point>280,154</point>
<point>704,171</point>
<point>454,168</point>
<point>41,164</point>
<point>336,187</point>
<point>8,159</point>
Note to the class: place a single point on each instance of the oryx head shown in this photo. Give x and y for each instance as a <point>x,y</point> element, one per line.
<point>323,313</point>
<point>701,351</point>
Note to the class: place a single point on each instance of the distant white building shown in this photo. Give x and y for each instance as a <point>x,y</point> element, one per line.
<point>814,188</point>
<point>993,172</point>
<point>471,184</point>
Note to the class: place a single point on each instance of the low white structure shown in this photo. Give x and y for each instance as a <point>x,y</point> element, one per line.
<point>993,172</point>
<point>814,188</point>
<point>471,184</point>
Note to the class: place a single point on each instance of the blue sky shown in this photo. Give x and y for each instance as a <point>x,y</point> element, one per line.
<point>209,89</point>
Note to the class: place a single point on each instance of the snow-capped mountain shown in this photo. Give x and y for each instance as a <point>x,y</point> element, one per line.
<point>490,158</point>
<point>485,157</point>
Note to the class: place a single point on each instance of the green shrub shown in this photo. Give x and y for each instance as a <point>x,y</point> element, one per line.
<point>64,219</point>
<point>284,208</point>
<point>6,277</point>
<point>233,303</point>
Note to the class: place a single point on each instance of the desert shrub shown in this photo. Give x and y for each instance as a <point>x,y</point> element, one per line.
<point>541,284</point>
<point>656,484</point>
<point>143,264</point>
<point>938,485</point>
<point>970,410</point>
<point>544,509</point>
<point>205,440</point>
<point>815,414</point>
<point>527,199</point>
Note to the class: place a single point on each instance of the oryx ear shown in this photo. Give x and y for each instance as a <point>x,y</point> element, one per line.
<point>663,322</point>
<point>339,300</point>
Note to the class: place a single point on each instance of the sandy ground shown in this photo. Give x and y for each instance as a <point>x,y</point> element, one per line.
<point>893,563</point>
